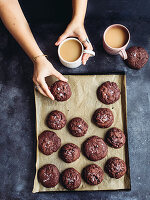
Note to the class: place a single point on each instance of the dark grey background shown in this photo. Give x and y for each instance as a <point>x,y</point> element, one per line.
<point>48,20</point>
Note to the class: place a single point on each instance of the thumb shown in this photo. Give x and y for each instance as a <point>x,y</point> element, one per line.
<point>61,38</point>
<point>59,76</point>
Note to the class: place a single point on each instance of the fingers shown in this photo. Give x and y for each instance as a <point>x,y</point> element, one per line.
<point>61,38</point>
<point>39,88</point>
<point>45,88</point>
<point>41,91</point>
<point>59,76</point>
<point>86,56</point>
<point>88,46</point>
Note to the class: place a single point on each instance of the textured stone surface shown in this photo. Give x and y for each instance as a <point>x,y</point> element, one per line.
<point>17,109</point>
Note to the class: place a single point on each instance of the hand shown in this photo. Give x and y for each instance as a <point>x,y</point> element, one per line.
<point>75,29</point>
<point>42,69</point>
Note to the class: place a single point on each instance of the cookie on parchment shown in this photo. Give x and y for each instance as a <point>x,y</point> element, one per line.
<point>77,127</point>
<point>93,174</point>
<point>69,152</point>
<point>115,138</point>
<point>61,91</point>
<point>48,175</point>
<point>95,148</point>
<point>56,120</point>
<point>115,167</point>
<point>70,179</point>
<point>103,118</point>
<point>48,142</point>
<point>108,92</point>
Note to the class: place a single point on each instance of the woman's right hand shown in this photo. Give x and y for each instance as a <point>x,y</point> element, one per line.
<point>76,29</point>
<point>42,69</point>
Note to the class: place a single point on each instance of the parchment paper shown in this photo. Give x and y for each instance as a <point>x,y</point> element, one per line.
<point>83,103</point>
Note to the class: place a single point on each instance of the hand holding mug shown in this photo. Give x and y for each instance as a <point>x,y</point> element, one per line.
<point>77,30</point>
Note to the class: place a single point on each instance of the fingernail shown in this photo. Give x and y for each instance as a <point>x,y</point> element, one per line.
<point>52,98</point>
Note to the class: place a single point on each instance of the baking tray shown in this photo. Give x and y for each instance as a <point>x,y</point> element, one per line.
<point>83,103</point>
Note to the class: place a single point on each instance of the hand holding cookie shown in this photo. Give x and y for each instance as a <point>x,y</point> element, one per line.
<point>42,69</point>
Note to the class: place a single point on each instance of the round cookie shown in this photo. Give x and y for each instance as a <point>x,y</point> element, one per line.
<point>69,152</point>
<point>95,148</point>
<point>77,127</point>
<point>137,57</point>
<point>103,117</point>
<point>61,91</point>
<point>93,174</point>
<point>108,92</point>
<point>56,120</point>
<point>71,179</point>
<point>115,167</point>
<point>48,175</point>
<point>115,138</point>
<point>48,142</point>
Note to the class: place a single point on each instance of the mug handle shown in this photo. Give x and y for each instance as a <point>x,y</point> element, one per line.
<point>123,54</point>
<point>92,53</point>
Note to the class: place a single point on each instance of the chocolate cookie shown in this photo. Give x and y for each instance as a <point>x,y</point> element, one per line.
<point>78,127</point>
<point>137,57</point>
<point>93,174</point>
<point>71,179</point>
<point>95,148</point>
<point>108,92</point>
<point>61,91</point>
<point>69,152</point>
<point>49,142</point>
<point>103,117</point>
<point>115,167</point>
<point>48,175</point>
<point>115,138</point>
<point>56,120</point>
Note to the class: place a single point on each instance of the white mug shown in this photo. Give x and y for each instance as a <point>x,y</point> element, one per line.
<point>78,62</point>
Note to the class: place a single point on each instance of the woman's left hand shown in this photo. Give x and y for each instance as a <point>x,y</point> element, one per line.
<point>75,29</point>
